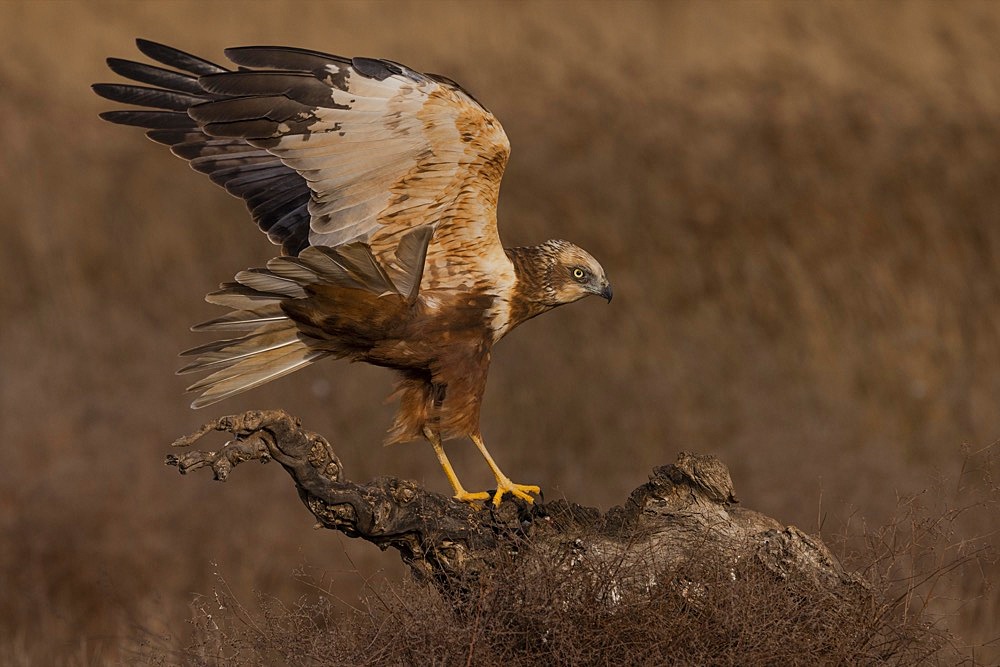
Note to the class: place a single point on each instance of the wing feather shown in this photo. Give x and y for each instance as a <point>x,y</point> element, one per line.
<point>327,150</point>
<point>282,57</point>
<point>278,204</point>
<point>155,76</point>
<point>168,55</point>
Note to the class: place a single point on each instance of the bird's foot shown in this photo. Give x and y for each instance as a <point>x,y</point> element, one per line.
<point>504,485</point>
<point>467,497</point>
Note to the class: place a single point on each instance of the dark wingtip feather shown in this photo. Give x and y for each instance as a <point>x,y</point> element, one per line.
<point>112,117</point>
<point>302,87</point>
<point>282,57</point>
<point>168,137</point>
<point>154,120</point>
<point>109,91</point>
<point>142,96</point>
<point>168,55</point>
<point>276,195</point>
<point>157,76</point>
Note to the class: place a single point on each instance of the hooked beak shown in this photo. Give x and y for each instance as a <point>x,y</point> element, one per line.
<point>606,291</point>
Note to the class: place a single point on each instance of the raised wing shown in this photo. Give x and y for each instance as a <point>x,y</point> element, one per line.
<point>277,197</point>
<point>327,150</point>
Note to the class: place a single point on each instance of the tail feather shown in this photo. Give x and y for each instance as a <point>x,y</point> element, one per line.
<point>241,297</point>
<point>293,268</point>
<point>240,320</point>
<point>272,344</point>
<point>252,373</point>
<point>266,281</point>
<point>225,353</point>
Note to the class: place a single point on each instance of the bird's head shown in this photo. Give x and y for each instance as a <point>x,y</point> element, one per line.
<point>573,274</point>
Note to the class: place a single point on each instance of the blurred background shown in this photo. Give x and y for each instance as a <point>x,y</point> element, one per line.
<point>797,204</point>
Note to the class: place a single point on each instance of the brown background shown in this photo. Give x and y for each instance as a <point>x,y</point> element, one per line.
<point>798,205</point>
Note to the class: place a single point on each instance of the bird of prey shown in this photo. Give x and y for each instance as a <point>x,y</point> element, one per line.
<point>380,184</point>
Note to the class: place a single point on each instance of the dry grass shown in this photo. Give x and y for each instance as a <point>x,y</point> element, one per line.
<point>731,617</point>
<point>797,204</point>
<point>711,612</point>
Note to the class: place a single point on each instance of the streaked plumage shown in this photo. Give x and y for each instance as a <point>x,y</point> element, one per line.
<point>380,184</point>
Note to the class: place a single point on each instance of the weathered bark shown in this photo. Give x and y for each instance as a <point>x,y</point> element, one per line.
<point>686,510</point>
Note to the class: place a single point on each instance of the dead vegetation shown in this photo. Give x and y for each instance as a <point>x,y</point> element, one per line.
<point>740,616</point>
<point>719,615</point>
<point>679,574</point>
<point>797,205</point>
<point>705,611</point>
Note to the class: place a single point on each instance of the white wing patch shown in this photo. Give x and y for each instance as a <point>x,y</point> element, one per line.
<point>360,150</point>
<point>327,150</point>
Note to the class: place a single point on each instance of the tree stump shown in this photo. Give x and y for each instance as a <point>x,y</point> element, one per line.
<point>685,513</point>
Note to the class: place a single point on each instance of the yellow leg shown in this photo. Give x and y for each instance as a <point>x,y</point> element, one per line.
<point>504,485</point>
<point>460,492</point>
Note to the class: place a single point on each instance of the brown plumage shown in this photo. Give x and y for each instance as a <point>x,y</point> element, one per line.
<point>381,185</point>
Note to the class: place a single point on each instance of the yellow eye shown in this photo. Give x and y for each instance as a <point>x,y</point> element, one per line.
<point>579,273</point>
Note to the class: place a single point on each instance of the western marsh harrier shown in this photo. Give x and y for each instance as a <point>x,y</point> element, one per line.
<point>380,184</point>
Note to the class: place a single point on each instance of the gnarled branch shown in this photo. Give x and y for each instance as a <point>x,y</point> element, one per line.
<point>685,510</point>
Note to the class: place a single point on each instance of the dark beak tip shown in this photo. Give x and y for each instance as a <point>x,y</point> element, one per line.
<point>607,293</point>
